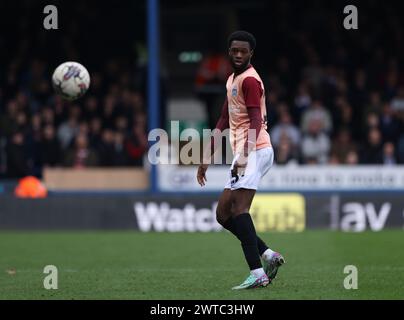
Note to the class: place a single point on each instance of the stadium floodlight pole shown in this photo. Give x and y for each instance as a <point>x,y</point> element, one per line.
<point>153,78</point>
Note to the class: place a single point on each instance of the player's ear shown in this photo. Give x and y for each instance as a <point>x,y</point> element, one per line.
<point>251,53</point>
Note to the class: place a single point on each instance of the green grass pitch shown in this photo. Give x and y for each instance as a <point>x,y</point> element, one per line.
<point>131,265</point>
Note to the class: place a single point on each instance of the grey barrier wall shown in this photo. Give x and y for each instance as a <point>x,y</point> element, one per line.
<point>291,212</point>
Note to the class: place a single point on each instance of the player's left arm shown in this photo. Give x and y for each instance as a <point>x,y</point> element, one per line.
<point>252,93</point>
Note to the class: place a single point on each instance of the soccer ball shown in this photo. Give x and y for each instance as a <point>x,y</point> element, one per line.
<point>71,80</point>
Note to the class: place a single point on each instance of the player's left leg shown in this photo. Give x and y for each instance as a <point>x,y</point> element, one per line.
<point>243,189</point>
<point>245,231</point>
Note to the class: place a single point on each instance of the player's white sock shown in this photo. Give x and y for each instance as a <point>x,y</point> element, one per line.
<point>258,273</point>
<point>267,255</point>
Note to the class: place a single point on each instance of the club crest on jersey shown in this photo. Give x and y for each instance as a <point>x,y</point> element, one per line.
<point>234,92</point>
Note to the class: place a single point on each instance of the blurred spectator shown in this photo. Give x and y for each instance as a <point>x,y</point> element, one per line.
<point>372,152</point>
<point>372,121</point>
<point>68,129</point>
<point>342,145</point>
<point>397,107</point>
<point>120,155</point>
<point>397,103</point>
<point>7,120</point>
<point>389,124</point>
<point>352,158</point>
<point>284,154</point>
<point>108,112</point>
<point>136,144</point>
<point>343,116</point>
<point>285,127</point>
<point>91,108</point>
<point>106,148</point>
<point>315,143</point>
<point>375,103</point>
<point>302,102</point>
<point>358,92</point>
<point>81,155</point>
<point>121,124</point>
<point>333,159</point>
<point>17,162</point>
<point>320,114</point>
<point>47,116</point>
<point>313,72</point>
<point>391,83</point>
<point>400,150</point>
<point>49,147</point>
<point>389,157</point>
<point>95,129</point>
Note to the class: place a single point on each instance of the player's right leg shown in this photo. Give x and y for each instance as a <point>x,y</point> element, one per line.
<point>224,217</point>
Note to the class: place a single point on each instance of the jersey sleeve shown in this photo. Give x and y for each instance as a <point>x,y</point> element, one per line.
<point>252,92</point>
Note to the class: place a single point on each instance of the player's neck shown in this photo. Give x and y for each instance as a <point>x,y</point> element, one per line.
<point>237,72</point>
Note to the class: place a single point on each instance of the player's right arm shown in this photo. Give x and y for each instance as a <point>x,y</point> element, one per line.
<point>222,124</point>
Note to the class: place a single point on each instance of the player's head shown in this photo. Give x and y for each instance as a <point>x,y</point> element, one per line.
<point>241,48</point>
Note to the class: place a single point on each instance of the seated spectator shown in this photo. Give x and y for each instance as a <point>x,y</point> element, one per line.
<point>397,107</point>
<point>106,148</point>
<point>81,155</point>
<point>95,128</point>
<point>397,103</point>
<point>109,111</point>
<point>17,162</point>
<point>49,147</point>
<point>375,103</point>
<point>315,143</point>
<point>400,149</point>
<point>372,121</point>
<point>285,127</point>
<point>91,108</point>
<point>358,91</point>
<point>136,144</point>
<point>68,129</point>
<point>302,102</point>
<point>333,159</point>
<point>284,154</point>
<point>342,145</point>
<point>352,158</point>
<point>120,155</point>
<point>319,113</point>
<point>372,152</point>
<point>343,116</point>
<point>389,156</point>
<point>7,119</point>
<point>389,124</point>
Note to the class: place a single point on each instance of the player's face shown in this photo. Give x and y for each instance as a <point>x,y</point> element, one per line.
<point>240,54</point>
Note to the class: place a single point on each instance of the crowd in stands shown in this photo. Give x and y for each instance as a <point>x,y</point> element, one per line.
<point>333,97</point>
<point>355,124</point>
<point>107,127</point>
